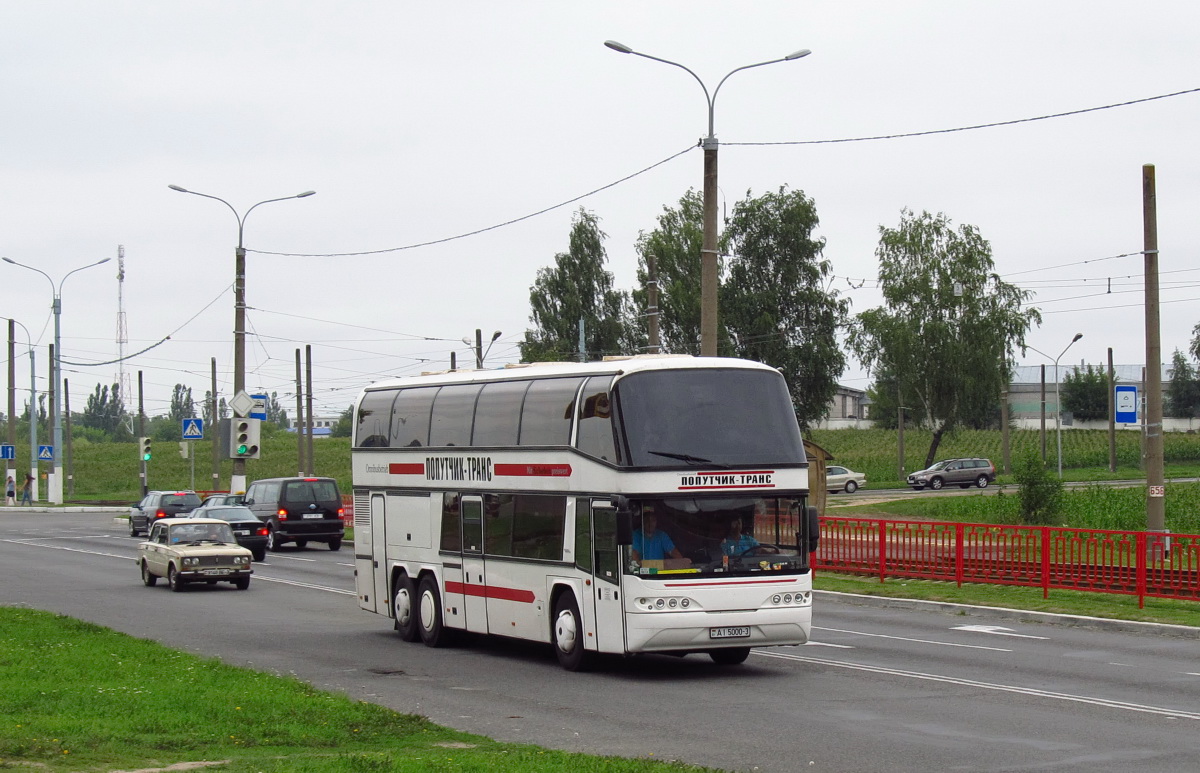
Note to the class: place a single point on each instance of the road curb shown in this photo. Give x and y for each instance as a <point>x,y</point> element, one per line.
<point>1020,615</point>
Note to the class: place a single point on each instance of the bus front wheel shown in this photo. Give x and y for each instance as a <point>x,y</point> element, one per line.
<point>429,606</point>
<point>569,635</point>
<point>404,607</point>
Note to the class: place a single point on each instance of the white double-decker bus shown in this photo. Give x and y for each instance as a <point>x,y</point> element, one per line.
<point>635,505</point>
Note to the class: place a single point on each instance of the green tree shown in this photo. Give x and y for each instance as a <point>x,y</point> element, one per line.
<point>673,248</point>
<point>1183,390</point>
<point>345,424</point>
<point>276,414</point>
<point>577,287</point>
<point>182,406</point>
<point>948,327</point>
<point>774,302</point>
<point>1041,494</point>
<point>1085,393</point>
<point>104,410</point>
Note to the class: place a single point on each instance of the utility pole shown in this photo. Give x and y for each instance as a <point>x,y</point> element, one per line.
<point>142,433</point>
<point>1155,485</point>
<point>1004,448</point>
<point>1043,414</point>
<point>11,466</point>
<point>652,303</point>
<point>1112,415</point>
<point>300,466</point>
<point>67,438</point>
<point>215,430</point>
<point>308,417</point>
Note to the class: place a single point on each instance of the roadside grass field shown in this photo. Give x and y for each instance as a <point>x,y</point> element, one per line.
<point>80,697</point>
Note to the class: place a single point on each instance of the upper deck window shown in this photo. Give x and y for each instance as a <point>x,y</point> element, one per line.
<point>548,411</point>
<point>374,421</point>
<point>497,412</point>
<point>410,417</point>
<point>693,417</point>
<point>453,411</point>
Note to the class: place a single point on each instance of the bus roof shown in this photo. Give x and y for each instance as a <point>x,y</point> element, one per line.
<point>609,365</point>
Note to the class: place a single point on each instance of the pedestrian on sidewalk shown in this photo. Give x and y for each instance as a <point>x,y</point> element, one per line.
<point>10,491</point>
<point>27,490</point>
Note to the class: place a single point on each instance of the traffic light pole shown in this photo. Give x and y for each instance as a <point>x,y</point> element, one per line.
<point>142,434</point>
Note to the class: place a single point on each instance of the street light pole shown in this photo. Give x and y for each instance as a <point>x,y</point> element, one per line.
<point>1057,396</point>
<point>237,481</point>
<point>708,250</point>
<point>481,353</point>
<point>56,481</point>
<point>33,462</point>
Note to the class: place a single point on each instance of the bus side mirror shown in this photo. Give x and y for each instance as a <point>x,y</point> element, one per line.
<point>624,522</point>
<point>814,529</point>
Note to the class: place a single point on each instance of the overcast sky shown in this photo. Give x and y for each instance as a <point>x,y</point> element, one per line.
<point>423,122</point>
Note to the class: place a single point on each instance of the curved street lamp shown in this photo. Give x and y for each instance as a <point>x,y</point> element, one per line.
<point>481,353</point>
<point>1057,397</point>
<point>708,249</point>
<point>237,482</point>
<point>56,482</point>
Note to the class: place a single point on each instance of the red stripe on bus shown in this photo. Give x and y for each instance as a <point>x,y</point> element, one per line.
<point>490,592</point>
<point>414,468</point>
<point>533,470</point>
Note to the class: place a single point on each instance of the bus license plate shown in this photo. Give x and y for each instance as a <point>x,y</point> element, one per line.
<point>737,632</point>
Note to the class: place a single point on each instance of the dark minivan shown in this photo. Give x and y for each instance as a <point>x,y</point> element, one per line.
<point>299,510</point>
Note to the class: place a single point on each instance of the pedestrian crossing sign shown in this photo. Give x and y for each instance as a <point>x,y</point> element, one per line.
<point>45,453</point>
<point>193,429</point>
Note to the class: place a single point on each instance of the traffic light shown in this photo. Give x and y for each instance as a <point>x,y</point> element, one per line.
<point>144,448</point>
<point>244,438</point>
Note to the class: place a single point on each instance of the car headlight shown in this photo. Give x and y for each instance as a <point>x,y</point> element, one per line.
<point>190,561</point>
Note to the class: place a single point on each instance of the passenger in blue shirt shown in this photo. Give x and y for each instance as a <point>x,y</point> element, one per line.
<point>651,544</point>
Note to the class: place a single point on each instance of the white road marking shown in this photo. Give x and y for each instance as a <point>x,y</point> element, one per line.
<point>811,643</point>
<point>1061,696</point>
<point>257,577</point>
<point>915,641</point>
<point>294,558</point>
<point>996,630</point>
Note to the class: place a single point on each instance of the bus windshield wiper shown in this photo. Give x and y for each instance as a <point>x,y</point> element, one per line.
<point>689,459</point>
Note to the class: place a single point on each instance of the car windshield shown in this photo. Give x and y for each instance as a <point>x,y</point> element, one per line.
<point>199,533</point>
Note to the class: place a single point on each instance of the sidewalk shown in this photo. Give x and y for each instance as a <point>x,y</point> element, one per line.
<point>42,507</point>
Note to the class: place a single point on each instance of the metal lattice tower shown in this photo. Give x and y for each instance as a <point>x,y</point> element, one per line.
<point>122,378</point>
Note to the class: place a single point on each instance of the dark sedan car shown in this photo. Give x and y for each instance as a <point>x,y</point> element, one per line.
<point>248,528</point>
<point>157,505</point>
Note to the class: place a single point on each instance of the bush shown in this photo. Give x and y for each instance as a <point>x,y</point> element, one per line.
<point>1041,494</point>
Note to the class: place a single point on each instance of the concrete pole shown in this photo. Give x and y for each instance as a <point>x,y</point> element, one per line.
<point>308,416</point>
<point>709,275</point>
<point>299,418</point>
<point>1112,415</point>
<point>214,431</point>
<point>1155,484</point>
<point>652,304</point>
<point>1043,414</point>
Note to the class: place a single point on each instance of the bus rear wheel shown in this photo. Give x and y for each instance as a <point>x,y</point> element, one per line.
<point>429,611</point>
<point>568,635</point>
<point>730,656</point>
<point>404,607</point>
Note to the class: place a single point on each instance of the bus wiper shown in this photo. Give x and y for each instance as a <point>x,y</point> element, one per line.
<point>689,459</point>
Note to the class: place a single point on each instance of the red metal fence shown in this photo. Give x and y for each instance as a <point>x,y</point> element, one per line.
<point>1142,564</point>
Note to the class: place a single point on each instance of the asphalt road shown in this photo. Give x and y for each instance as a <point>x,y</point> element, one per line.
<point>882,688</point>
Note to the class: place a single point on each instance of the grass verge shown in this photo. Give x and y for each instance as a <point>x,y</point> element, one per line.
<point>79,697</point>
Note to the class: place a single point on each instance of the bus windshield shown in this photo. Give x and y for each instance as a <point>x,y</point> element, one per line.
<point>730,535</point>
<point>721,417</point>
